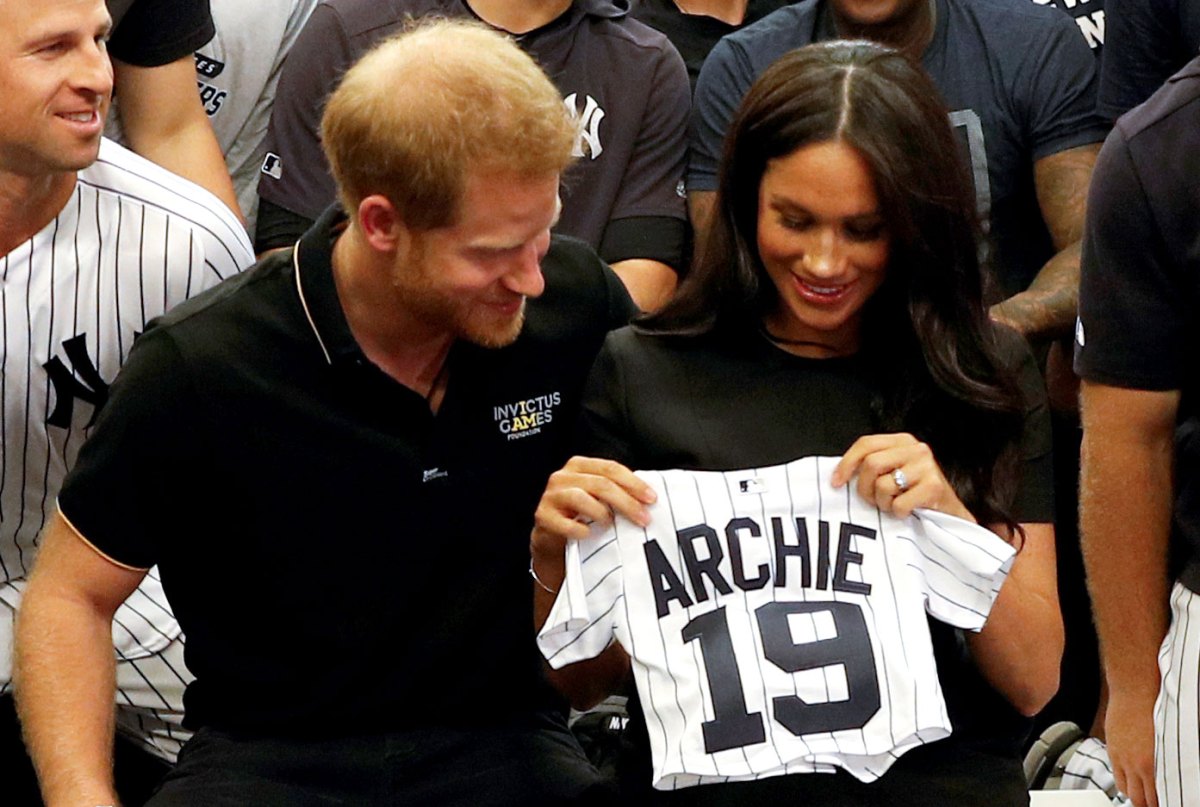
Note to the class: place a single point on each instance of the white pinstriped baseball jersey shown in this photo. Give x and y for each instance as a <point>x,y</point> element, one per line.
<point>132,241</point>
<point>776,625</point>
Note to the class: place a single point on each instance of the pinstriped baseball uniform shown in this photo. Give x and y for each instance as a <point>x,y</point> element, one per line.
<point>132,241</point>
<point>776,625</point>
<point>1176,739</point>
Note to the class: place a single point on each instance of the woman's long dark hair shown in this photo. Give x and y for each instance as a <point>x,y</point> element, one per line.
<point>926,332</point>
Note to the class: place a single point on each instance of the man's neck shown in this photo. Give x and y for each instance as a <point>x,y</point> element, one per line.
<point>519,16</point>
<point>730,12</point>
<point>27,204</point>
<point>403,347</point>
<point>909,33</point>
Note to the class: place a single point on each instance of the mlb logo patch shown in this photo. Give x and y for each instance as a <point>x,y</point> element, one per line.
<point>752,485</point>
<point>272,166</point>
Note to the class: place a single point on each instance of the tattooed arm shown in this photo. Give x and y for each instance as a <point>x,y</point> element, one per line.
<point>1047,307</point>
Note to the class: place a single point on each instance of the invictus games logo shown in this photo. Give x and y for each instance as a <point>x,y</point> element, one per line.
<point>589,118</point>
<point>526,418</point>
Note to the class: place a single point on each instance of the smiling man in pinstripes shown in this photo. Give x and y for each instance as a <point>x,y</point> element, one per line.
<point>94,241</point>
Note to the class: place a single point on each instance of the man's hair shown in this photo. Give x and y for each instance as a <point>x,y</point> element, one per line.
<point>426,108</point>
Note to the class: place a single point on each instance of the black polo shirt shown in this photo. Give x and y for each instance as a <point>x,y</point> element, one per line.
<point>340,559</point>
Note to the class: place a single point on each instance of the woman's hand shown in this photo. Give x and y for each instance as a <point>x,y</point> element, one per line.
<point>584,491</point>
<point>898,473</point>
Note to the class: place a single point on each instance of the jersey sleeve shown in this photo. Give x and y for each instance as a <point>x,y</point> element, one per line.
<point>963,566</point>
<point>158,32</point>
<point>295,174</point>
<point>651,186</point>
<point>225,246</point>
<point>220,242</point>
<point>581,623</point>
<point>1134,322</point>
<point>124,492</point>
<point>1059,83</point>
<point>724,80</point>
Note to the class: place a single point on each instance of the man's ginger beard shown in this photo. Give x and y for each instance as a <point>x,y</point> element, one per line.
<point>417,290</point>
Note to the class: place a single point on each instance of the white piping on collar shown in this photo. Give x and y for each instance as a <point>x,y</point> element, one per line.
<point>304,304</point>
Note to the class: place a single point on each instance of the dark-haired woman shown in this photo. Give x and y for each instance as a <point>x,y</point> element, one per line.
<point>836,310</point>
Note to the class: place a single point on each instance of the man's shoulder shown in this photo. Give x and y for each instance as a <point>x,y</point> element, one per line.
<point>124,177</point>
<point>249,297</point>
<point>1173,110</point>
<point>571,267</point>
<point>1007,26</point>
<point>375,18</point>
<point>630,33</point>
<point>761,43</point>
<point>582,296</point>
<point>780,31</point>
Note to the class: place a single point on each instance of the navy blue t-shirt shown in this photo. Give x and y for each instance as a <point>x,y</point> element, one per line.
<point>1019,80</point>
<point>1151,40</point>
<point>1089,16</point>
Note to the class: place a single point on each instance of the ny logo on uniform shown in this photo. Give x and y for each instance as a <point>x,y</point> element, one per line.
<point>89,386</point>
<point>589,144</point>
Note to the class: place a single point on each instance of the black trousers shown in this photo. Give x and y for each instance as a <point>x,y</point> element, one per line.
<point>534,763</point>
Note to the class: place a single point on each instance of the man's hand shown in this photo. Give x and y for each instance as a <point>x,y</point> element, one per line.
<point>64,665</point>
<point>1125,504</point>
<point>1129,734</point>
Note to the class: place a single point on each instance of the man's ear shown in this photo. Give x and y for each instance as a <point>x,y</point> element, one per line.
<point>382,227</point>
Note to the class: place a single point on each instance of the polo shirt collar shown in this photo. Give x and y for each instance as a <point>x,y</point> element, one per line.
<point>313,263</point>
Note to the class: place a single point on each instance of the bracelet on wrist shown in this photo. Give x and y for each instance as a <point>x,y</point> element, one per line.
<point>538,580</point>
